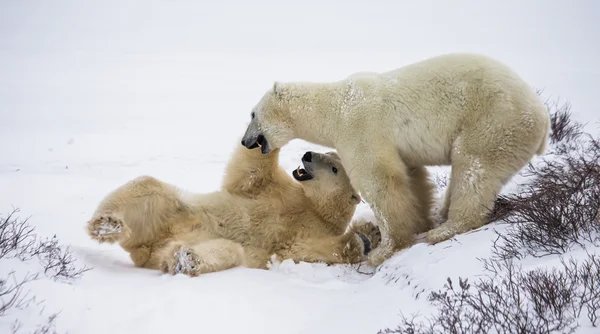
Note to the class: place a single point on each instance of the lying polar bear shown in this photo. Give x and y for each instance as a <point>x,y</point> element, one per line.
<point>259,211</point>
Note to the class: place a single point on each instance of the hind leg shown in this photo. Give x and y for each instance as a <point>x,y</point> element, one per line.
<point>201,258</point>
<point>108,227</point>
<point>151,256</point>
<point>137,212</point>
<point>423,189</point>
<point>138,216</point>
<point>477,177</point>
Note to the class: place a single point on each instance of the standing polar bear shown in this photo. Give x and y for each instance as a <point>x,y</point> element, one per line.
<point>259,211</point>
<point>464,110</point>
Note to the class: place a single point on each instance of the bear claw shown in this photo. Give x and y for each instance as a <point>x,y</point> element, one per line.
<point>366,243</point>
<point>106,228</point>
<point>369,230</point>
<point>184,261</point>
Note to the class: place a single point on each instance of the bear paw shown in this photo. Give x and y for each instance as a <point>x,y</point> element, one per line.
<point>107,228</point>
<point>357,247</point>
<point>439,234</point>
<point>369,230</point>
<point>184,261</point>
<point>380,254</point>
<point>421,238</point>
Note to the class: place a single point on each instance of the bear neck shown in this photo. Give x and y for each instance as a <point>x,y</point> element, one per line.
<point>330,209</point>
<point>313,112</point>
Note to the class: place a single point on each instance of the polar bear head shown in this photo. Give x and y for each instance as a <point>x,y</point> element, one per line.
<point>270,122</point>
<point>325,180</point>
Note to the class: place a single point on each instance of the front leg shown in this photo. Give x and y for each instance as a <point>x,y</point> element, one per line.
<point>383,180</point>
<point>201,258</point>
<point>350,247</point>
<point>249,172</point>
<point>138,212</point>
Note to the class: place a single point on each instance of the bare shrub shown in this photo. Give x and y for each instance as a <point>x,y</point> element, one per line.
<point>558,208</point>
<point>11,292</point>
<point>511,300</point>
<point>45,328</point>
<point>16,237</point>
<point>57,260</point>
<point>19,241</point>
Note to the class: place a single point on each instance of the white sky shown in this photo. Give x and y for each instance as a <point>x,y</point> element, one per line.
<point>78,66</point>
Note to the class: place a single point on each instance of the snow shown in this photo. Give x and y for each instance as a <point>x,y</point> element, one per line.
<point>96,93</point>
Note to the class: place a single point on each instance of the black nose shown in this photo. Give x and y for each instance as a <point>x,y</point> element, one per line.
<point>243,142</point>
<point>307,157</point>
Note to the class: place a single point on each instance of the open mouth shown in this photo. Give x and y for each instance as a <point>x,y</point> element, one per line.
<point>301,174</point>
<point>261,142</point>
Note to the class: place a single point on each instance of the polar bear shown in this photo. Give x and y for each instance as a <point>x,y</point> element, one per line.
<point>259,211</point>
<point>464,110</point>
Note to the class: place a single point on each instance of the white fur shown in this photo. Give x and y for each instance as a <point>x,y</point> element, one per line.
<point>464,110</point>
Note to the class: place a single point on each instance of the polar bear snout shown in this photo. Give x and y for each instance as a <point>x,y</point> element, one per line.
<point>316,164</point>
<point>254,137</point>
<point>315,160</point>
<point>311,162</point>
<point>254,142</point>
<point>250,143</point>
<point>307,156</point>
<point>250,146</point>
<point>306,173</point>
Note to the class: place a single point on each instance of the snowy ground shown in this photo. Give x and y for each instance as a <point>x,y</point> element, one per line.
<point>94,93</point>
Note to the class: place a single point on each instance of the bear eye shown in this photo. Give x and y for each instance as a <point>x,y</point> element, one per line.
<point>252,115</point>
<point>334,170</point>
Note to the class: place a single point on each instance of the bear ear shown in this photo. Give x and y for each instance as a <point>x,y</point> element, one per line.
<point>355,198</point>
<point>278,88</point>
